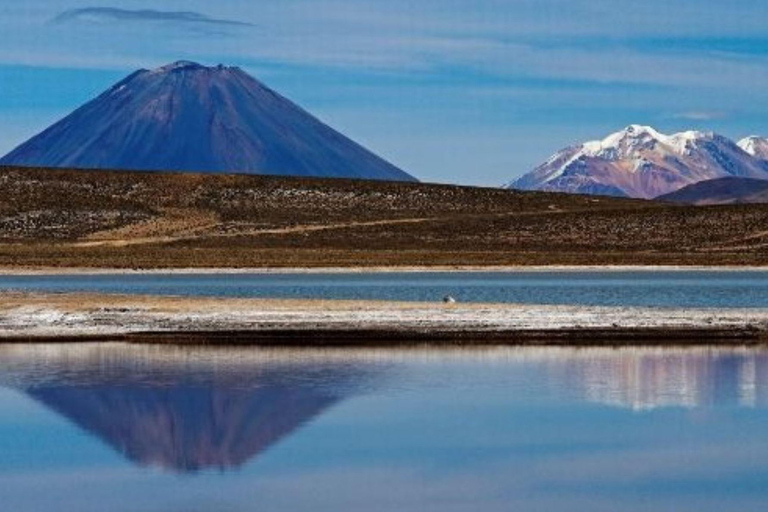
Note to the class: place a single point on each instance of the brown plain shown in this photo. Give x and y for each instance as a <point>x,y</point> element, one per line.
<point>116,219</point>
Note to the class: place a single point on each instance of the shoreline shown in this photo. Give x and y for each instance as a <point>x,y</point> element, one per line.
<point>66,318</point>
<point>405,338</point>
<point>43,271</point>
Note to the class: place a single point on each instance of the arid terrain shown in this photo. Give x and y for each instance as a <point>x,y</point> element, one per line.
<point>89,219</point>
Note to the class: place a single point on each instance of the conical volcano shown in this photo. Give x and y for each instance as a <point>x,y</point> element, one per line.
<point>188,117</point>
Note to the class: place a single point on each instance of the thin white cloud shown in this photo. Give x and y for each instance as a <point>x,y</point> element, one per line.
<point>700,115</point>
<point>113,14</point>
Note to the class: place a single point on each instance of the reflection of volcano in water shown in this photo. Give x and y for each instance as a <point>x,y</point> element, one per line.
<point>182,417</point>
<point>187,409</point>
<point>644,379</point>
<point>186,428</point>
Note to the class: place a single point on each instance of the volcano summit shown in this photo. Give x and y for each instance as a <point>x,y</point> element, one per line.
<point>188,117</point>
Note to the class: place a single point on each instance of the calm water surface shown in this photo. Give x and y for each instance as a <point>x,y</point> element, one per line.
<point>160,429</point>
<point>606,288</point>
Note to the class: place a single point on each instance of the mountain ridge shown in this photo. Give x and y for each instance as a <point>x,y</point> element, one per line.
<point>641,162</point>
<point>730,190</point>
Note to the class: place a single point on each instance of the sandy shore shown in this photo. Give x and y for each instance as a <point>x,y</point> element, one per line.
<point>31,271</point>
<point>92,317</point>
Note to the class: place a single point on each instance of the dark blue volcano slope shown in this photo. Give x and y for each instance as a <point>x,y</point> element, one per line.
<point>188,117</point>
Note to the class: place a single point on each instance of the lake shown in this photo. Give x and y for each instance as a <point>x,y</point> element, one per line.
<point>687,288</point>
<point>169,429</point>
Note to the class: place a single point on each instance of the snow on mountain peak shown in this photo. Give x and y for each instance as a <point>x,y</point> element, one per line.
<point>756,146</point>
<point>640,161</point>
<point>638,129</point>
<point>634,138</point>
<point>683,143</point>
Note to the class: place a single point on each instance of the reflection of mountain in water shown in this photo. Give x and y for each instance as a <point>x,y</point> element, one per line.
<point>188,409</point>
<point>644,379</point>
<point>180,416</point>
<point>186,428</point>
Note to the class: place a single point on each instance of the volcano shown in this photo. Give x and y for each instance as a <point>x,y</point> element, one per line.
<point>189,117</point>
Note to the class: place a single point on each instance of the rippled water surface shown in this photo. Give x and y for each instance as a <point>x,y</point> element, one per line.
<point>144,429</point>
<point>597,288</point>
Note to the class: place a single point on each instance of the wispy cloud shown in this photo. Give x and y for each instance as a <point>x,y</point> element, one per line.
<point>111,14</point>
<point>700,115</point>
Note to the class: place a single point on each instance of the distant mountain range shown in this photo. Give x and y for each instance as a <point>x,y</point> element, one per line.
<point>188,117</point>
<point>721,191</point>
<point>641,162</point>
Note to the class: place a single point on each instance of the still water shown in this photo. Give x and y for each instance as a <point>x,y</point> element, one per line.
<point>724,289</point>
<point>162,429</point>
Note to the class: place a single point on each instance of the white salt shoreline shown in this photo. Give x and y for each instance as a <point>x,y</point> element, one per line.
<point>64,315</point>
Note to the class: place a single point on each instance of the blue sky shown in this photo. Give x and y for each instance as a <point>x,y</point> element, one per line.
<point>474,92</point>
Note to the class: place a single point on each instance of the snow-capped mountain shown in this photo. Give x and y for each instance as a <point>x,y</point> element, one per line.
<point>641,162</point>
<point>755,146</point>
<point>188,117</point>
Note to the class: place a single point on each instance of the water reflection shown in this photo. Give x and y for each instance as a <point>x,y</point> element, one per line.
<point>646,379</point>
<point>179,410</point>
<point>187,410</point>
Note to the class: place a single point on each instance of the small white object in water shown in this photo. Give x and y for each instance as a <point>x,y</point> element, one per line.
<point>449,300</point>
